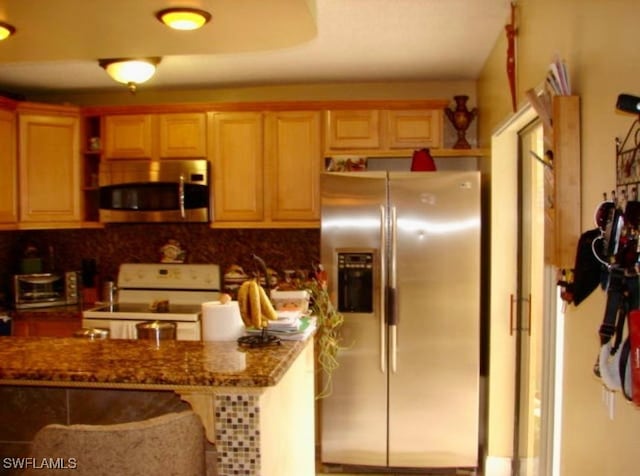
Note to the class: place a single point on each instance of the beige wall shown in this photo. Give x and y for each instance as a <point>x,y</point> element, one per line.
<point>599,41</point>
<point>279,92</point>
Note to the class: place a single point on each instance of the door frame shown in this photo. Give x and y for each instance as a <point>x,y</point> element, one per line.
<point>501,400</point>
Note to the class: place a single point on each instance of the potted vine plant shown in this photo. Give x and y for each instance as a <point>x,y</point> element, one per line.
<point>328,321</point>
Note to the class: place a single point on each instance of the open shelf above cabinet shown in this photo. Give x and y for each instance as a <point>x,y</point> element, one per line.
<point>403,153</point>
<point>91,156</point>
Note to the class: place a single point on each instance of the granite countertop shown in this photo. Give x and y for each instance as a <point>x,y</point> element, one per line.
<point>139,364</point>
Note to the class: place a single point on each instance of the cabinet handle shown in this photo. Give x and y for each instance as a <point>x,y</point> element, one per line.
<point>512,300</point>
<point>392,301</point>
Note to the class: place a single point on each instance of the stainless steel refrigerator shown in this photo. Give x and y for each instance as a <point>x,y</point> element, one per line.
<point>402,254</point>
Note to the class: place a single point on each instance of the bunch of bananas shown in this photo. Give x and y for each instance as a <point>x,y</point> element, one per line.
<point>255,307</point>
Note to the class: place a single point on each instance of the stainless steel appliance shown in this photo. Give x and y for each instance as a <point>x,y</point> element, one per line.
<point>402,252</point>
<point>158,292</point>
<point>154,191</point>
<point>45,289</point>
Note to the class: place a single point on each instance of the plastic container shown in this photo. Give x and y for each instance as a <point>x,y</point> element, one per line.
<point>290,300</point>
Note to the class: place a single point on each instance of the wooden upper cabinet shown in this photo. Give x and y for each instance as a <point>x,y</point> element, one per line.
<point>128,137</point>
<point>293,164</point>
<point>49,168</point>
<point>155,136</point>
<point>8,165</point>
<point>380,131</point>
<point>236,151</point>
<point>413,129</point>
<point>183,135</point>
<point>352,129</point>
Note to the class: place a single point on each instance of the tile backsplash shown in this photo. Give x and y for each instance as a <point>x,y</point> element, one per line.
<point>140,243</point>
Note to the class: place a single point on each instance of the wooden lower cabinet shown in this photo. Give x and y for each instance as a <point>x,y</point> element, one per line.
<point>46,327</point>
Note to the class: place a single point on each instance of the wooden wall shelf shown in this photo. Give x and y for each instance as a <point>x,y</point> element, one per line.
<point>566,212</point>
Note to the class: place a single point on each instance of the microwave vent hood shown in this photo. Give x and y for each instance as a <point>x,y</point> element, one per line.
<point>141,191</point>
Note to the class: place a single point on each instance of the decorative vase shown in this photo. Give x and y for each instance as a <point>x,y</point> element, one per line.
<point>461,118</point>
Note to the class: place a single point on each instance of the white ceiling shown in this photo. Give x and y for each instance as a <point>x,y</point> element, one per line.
<point>248,42</point>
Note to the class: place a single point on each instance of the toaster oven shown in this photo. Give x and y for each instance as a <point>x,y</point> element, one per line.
<point>45,289</point>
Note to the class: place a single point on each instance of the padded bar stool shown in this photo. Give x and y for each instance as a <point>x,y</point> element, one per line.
<point>171,444</point>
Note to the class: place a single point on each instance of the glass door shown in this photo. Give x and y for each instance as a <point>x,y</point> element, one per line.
<point>528,303</point>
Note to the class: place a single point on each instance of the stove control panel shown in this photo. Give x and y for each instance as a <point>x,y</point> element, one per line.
<point>169,276</point>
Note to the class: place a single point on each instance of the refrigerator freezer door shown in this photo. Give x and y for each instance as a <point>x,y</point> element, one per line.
<point>434,390</point>
<point>354,416</point>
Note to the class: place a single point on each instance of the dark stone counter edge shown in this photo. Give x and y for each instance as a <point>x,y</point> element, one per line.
<point>206,383</point>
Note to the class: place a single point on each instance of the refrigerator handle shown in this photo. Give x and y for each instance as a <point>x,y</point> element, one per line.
<point>393,347</point>
<point>392,292</point>
<point>383,279</point>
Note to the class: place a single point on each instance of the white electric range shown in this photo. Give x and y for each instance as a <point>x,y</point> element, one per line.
<point>141,287</point>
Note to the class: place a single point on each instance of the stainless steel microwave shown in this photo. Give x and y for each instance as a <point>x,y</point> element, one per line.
<point>45,289</point>
<point>154,191</point>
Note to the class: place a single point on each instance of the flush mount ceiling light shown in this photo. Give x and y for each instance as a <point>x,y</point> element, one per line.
<point>130,71</point>
<point>183,18</point>
<point>6,30</point>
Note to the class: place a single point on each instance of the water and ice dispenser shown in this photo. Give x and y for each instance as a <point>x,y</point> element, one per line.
<point>355,282</point>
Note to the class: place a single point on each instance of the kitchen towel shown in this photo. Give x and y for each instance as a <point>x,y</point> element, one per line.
<point>123,329</point>
<point>221,321</point>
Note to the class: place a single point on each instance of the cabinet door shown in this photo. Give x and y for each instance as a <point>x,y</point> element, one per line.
<point>237,156</point>
<point>293,165</point>
<point>8,165</point>
<point>413,129</point>
<point>346,129</point>
<point>54,327</point>
<point>49,168</point>
<point>182,135</point>
<point>46,327</point>
<point>127,137</point>
<point>19,328</point>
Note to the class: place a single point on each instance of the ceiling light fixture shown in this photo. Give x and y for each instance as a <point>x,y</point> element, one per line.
<point>130,71</point>
<point>183,18</point>
<point>6,30</point>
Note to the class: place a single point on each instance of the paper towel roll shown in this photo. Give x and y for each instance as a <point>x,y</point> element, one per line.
<point>221,321</point>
